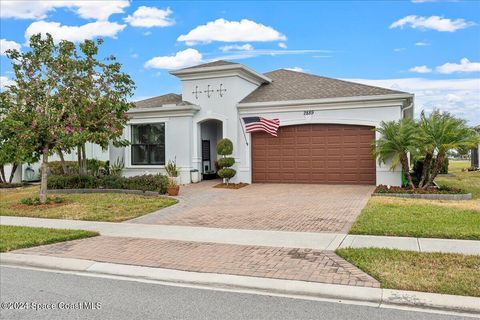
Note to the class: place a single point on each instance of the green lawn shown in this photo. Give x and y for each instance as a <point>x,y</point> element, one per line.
<point>418,218</point>
<point>418,271</point>
<point>13,237</point>
<point>468,181</point>
<point>94,206</point>
<point>449,219</point>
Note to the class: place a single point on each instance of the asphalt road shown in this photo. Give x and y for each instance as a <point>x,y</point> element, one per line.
<point>120,299</point>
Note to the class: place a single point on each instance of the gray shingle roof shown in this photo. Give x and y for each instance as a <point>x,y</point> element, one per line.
<point>169,98</point>
<point>216,63</point>
<point>292,85</point>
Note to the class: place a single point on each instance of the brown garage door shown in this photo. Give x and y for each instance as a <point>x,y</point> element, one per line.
<point>314,153</point>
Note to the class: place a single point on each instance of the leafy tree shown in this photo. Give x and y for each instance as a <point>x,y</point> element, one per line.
<point>398,140</point>
<point>65,98</point>
<point>37,113</point>
<point>98,95</point>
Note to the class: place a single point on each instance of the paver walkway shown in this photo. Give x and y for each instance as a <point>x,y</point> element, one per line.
<point>289,239</point>
<point>286,207</point>
<point>257,261</point>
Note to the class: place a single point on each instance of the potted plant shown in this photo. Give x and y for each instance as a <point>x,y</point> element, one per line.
<point>173,187</point>
<point>172,173</point>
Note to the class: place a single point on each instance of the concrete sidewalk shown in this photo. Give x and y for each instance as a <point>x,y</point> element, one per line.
<point>318,241</point>
<point>294,288</point>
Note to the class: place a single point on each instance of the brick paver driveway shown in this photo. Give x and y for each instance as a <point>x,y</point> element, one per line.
<point>257,261</point>
<point>287,207</point>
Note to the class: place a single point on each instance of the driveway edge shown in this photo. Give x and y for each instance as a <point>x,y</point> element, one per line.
<point>291,287</point>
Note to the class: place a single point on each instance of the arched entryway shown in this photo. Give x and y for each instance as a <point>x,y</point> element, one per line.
<point>211,131</point>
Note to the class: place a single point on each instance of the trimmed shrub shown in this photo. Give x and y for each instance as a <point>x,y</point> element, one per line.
<point>144,183</point>
<point>55,167</point>
<point>224,147</point>
<point>94,167</point>
<point>147,183</point>
<point>225,162</point>
<point>112,182</point>
<point>71,182</point>
<point>227,173</point>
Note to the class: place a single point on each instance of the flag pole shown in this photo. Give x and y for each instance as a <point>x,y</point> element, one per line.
<point>243,131</point>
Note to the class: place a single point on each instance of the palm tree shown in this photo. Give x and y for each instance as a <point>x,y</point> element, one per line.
<point>398,140</point>
<point>429,128</point>
<point>442,132</point>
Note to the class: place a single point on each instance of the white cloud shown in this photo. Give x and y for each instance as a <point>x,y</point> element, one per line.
<point>237,55</point>
<point>420,69</point>
<point>98,10</point>
<point>245,47</point>
<point>434,22</point>
<point>181,59</point>
<point>5,81</point>
<point>458,96</point>
<point>282,45</point>
<point>75,33</point>
<point>399,49</point>
<point>8,45</point>
<point>297,69</point>
<point>464,66</point>
<point>422,44</point>
<point>148,17</point>
<point>231,31</point>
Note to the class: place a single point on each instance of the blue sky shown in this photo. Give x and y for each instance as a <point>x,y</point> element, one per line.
<point>426,47</point>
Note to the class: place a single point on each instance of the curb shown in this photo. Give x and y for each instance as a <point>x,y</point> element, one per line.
<point>291,287</point>
<point>430,196</point>
<point>124,191</point>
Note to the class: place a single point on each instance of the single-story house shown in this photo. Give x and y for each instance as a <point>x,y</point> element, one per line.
<point>325,134</point>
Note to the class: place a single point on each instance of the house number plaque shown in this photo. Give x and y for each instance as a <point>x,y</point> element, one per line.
<point>308,112</point>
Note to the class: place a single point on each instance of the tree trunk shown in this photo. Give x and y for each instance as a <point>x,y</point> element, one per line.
<point>82,168</point>
<point>62,161</point>
<point>84,159</point>
<point>406,169</point>
<point>436,169</point>
<point>2,174</point>
<point>12,173</point>
<point>426,169</point>
<point>43,183</point>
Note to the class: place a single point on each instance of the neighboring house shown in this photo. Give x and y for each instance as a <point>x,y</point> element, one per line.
<point>325,135</point>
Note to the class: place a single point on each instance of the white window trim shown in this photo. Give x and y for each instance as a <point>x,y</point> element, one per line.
<point>128,136</point>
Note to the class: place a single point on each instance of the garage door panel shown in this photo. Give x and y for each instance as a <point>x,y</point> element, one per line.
<point>314,153</point>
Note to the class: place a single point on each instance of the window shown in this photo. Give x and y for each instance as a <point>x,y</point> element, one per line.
<point>148,144</point>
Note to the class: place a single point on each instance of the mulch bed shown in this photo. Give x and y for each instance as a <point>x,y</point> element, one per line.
<point>430,190</point>
<point>231,185</point>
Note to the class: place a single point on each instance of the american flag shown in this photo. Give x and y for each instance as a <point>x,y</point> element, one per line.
<point>254,124</point>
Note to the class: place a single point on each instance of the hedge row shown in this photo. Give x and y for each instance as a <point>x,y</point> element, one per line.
<point>157,183</point>
<point>93,165</point>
